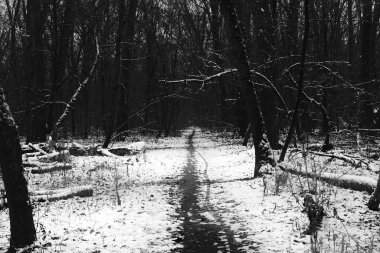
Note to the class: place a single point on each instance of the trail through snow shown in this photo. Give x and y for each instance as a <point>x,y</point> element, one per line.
<point>202,230</point>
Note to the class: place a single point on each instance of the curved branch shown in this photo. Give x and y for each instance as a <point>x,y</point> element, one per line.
<point>73,99</point>
<point>274,89</point>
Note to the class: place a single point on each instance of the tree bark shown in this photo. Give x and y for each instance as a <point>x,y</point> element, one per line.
<point>112,112</point>
<point>127,46</point>
<point>351,38</point>
<point>215,25</point>
<point>23,232</point>
<point>374,201</point>
<point>35,78</point>
<point>366,75</point>
<point>266,25</point>
<point>263,152</point>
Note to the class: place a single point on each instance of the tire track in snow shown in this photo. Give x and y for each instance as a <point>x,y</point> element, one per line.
<point>202,231</point>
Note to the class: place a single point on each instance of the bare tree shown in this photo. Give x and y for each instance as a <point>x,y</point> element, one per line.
<point>263,151</point>
<point>23,232</point>
<point>374,201</point>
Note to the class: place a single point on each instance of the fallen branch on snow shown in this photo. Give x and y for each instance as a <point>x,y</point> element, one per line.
<point>106,152</point>
<point>354,161</point>
<point>33,154</point>
<point>357,183</point>
<point>133,148</point>
<point>348,159</point>
<point>63,156</point>
<point>41,169</point>
<point>35,147</point>
<point>61,194</point>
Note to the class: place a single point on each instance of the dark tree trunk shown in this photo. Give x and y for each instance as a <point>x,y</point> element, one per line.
<point>300,82</point>
<point>351,38</point>
<point>215,24</point>
<point>366,75</point>
<point>375,26</point>
<point>23,232</point>
<point>150,18</point>
<point>266,24</point>
<point>13,19</point>
<point>112,112</point>
<point>374,201</point>
<point>263,151</point>
<point>126,61</point>
<point>35,78</point>
<point>291,35</point>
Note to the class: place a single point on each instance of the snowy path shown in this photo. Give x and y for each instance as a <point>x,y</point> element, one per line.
<point>201,231</point>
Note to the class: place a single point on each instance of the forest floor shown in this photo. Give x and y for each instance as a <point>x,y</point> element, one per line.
<point>195,193</point>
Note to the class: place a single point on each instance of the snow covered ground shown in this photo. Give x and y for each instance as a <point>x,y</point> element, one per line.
<point>191,190</point>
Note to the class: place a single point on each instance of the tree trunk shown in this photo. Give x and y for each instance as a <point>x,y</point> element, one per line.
<point>215,25</point>
<point>112,112</point>
<point>127,46</point>
<point>366,110</point>
<point>35,69</point>
<point>351,38</point>
<point>263,152</point>
<point>265,19</point>
<point>300,82</point>
<point>23,232</point>
<point>374,201</point>
<point>13,19</point>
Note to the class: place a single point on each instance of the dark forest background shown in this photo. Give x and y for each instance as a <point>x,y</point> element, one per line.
<point>161,65</point>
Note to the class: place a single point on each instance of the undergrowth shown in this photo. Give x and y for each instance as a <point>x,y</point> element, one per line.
<point>316,200</point>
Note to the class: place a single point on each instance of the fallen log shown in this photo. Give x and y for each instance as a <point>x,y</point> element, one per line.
<point>133,148</point>
<point>369,130</point>
<point>77,149</point>
<point>106,152</point>
<point>41,169</point>
<point>357,183</point>
<point>32,154</point>
<point>63,156</point>
<point>26,149</point>
<point>35,147</point>
<point>61,194</point>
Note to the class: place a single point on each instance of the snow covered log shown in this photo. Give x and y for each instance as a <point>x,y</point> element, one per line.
<point>37,148</point>
<point>40,169</point>
<point>353,182</point>
<point>369,130</point>
<point>77,149</point>
<point>106,152</point>
<point>61,194</point>
<point>32,154</point>
<point>133,148</point>
<point>27,149</point>
<point>63,156</point>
